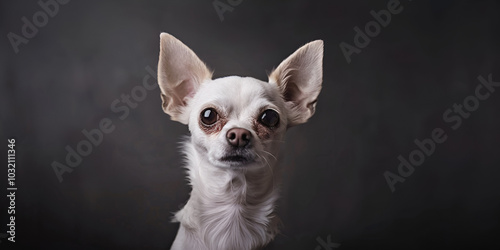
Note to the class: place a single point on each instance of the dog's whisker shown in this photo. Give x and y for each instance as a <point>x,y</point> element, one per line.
<point>268,165</point>
<point>269,153</point>
<point>272,141</point>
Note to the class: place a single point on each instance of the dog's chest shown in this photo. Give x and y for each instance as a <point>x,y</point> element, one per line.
<point>237,219</point>
<point>245,227</point>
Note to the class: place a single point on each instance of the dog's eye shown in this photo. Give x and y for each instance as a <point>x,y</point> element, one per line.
<point>209,116</point>
<point>269,118</point>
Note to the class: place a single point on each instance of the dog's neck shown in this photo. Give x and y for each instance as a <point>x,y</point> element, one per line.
<point>229,207</point>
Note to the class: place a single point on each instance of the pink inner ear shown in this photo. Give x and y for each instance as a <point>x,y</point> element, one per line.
<point>184,91</point>
<point>190,91</point>
<point>292,92</point>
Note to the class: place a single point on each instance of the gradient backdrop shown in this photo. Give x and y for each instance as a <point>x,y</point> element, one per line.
<point>370,111</point>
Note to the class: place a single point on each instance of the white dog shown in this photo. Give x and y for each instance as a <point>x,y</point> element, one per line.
<point>236,125</point>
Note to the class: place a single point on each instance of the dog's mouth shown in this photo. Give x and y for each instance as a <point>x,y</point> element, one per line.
<point>236,160</point>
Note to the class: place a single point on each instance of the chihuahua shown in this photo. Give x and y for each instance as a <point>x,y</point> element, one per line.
<point>236,125</point>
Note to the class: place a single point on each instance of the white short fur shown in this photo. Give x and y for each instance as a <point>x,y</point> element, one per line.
<point>232,204</point>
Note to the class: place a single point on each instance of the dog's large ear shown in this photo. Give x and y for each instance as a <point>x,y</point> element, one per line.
<point>299,79</point>
<point>180,73</point>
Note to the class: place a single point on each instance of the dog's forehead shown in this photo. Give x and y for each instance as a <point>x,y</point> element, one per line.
<point>236,89</point>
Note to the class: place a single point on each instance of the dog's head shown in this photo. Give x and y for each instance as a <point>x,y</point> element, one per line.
<point>238,121</point>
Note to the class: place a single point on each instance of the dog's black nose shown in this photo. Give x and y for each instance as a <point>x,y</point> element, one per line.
<point>238,137</point>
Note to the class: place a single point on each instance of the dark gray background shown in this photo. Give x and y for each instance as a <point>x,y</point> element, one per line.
<point>369,112</point>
